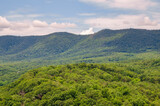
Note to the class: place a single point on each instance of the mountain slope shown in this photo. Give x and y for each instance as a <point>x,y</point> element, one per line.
<point>14,44</point>
<point>102,43</point>
<point>19,54</point>
<point>86,84</point>
<point>137,41</point>
<point>51,44</point>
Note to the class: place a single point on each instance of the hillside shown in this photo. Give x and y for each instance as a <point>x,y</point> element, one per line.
<point>135,83</point>
<point>20,48</point>
<point>65,45</point>
<point>19,54</point>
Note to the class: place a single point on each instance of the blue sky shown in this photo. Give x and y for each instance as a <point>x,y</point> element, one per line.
<point>39,17</point>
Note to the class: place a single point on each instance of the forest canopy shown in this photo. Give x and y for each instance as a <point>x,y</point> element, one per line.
<point>136,83</point>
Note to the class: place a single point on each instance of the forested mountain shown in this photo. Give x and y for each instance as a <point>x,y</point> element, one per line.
<point>63,44</point>
<point>127,84</point>
<point>19,54</point>
<point>14,44</point>
<point>37,46</point>
<point>85,78</point>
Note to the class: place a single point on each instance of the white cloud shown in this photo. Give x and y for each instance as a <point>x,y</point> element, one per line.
<point>124,4</point>
<point>155,15</point>
<point>148,22</point>
<point>37,23</point>
<point>4,23</point>
<point>19,25</point>
<point>87,32</point>
<point>35,27</point>
<point>124,21</point>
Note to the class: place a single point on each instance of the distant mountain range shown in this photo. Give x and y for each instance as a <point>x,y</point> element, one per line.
<point>19,54</point>
<point>62,45</point>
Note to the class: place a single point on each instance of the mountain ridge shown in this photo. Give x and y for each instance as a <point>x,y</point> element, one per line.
<point>19,54</point>
<point>64,43</point>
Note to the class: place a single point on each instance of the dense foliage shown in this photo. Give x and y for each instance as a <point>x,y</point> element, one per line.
<point>133,80</point>
<point>61,45</point>
<point>137,41</point>
<point>135,83</point>
<point>9,72</point>
<point>19,54</point>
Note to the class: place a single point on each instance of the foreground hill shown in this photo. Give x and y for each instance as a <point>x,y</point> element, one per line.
<point>137,84</point>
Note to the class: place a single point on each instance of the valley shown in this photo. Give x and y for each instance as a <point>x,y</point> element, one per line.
<point>116,67</point>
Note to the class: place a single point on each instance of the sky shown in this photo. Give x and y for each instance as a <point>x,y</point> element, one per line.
<point>40,17</point>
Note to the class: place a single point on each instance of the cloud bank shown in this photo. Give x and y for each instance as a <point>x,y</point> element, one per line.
<point>124,21</point>
<point>35,27</point>
<point>123,4</point>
